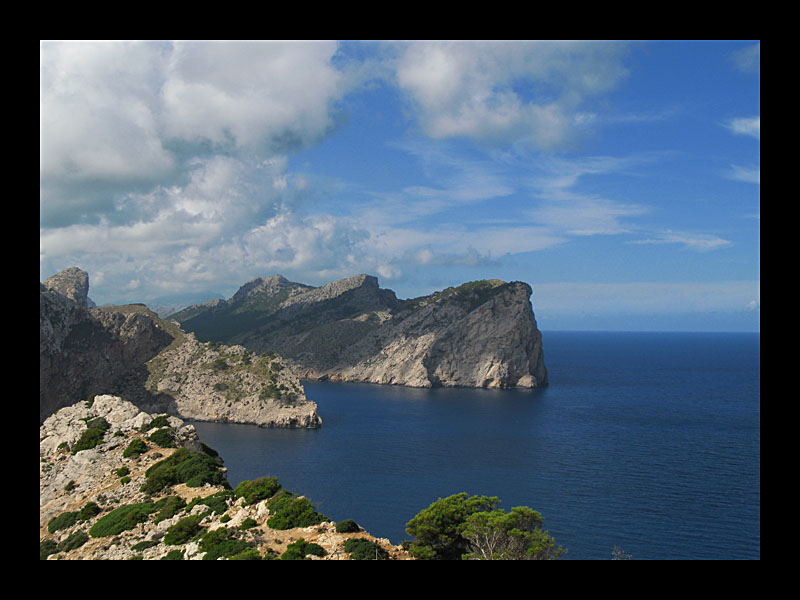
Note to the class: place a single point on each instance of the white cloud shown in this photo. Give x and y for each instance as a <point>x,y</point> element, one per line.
<point>700,242</point>
<point>746,126</point>
<point>482,90</point>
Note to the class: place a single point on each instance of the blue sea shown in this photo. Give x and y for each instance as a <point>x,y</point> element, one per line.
<point>649,442</point>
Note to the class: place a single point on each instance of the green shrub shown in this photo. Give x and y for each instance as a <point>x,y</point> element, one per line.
<point>144,545</point>
<point>157,422</point>
<point>248,554</point>
<point>46,548</point>
<point>169,507</point>
<point>75,540</point>
<point>192,468</point>
<point>164,437</point>
<point>222,542</point>
<point>176,554</point>
<point>289,511</point>
<point>125,480</point>
<point>257,489</point>
<point>363,549</point>
<point>98,423</point>
<point>89,510</point>
<point>347,526</point>
<point>248,523</point>
<point>183,531</point>
<point>91,437</point>
<point>62,521</point>
<point>135,448</point>
<point>300,549</point>
<point>218,503</point>
<point>122,471</point>
<point>121,519</point>
<point>210,451</point>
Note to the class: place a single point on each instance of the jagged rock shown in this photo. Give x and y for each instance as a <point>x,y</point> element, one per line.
<point>72,283</point>
<point>130,351</point>
<point>480,334</point>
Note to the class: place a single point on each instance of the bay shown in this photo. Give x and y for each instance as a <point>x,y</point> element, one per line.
<point>645,441</point>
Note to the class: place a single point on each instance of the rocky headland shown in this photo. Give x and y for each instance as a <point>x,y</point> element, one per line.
<point>130,351</point>
<point>480,334</point>
<point>118,483</point>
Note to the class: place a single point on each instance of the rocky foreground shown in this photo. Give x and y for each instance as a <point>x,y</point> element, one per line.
<point>117,483</point>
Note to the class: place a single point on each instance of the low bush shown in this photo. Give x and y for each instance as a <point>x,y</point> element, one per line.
<point>258,489</point>
<point>46,548</point>
<point>90,438</point>
<point>363,549</point>
<point>192,468</point>
<point>248,523</point>
<point>89,510</point>
<point>122,471</point>
<point>300,549</point>
<point>75,540</point>
<point>135,448</point>
<point>347,526</point>
<point>289,511</point>
<point>163,437</point>
<point>217,503</point>
<point>121,519</point>
<point>62,521</point>
<point>183,531</point>
<point>176,554</point>
<point>157,422</point>
<point>222,542</point>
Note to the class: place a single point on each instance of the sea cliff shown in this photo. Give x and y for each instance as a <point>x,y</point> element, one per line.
<point>479,334</point>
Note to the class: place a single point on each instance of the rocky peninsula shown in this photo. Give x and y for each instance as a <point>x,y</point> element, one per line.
<point>480,334</point>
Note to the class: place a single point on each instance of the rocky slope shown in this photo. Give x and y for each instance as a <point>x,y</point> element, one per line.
<point>129,351</point>
<point>117,483</point>
<point>480,334</point>
<point>72,283</point>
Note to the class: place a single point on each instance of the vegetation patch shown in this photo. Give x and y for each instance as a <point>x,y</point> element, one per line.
<point>256,490</point>
<point>364,549</point>
<point>122,519</point>
<point>289,511</point>
<point>135,448</point>
<point>347,526</point>
<point>164,437</point>
<point>222,543</point>
<point>300,549</point>
<point>217,503</point>
<point>183,531</point>
<point>192,468</point>
<point>90,438</point>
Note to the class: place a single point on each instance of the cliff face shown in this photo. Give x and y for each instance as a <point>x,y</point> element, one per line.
<point>128,350</point>
<point>100,501</point>
<point>480,334</point>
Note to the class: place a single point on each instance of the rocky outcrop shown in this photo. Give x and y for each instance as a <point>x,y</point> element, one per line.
<point>128,350</point>
<point>72,283</point>
<point>480,334</point>
<point>83,494</point>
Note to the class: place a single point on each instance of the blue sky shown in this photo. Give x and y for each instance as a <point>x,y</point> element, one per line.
<point>620,179</point>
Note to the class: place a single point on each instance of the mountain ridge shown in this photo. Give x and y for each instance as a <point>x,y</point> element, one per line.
<point>479,334</point>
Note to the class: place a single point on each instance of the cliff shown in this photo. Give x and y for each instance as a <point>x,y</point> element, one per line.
<point>128,350</point>
<point>479,334</point>
<point>117,483</point>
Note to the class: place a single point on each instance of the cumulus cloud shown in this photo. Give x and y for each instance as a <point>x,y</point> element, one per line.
<point>506,91</point>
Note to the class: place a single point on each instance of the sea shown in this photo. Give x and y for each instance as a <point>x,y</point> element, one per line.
<point>644,442</point>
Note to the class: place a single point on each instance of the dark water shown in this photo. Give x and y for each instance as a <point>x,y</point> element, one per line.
<point>645,441</point>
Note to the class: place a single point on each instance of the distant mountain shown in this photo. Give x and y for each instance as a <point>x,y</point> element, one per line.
<point>479,334</point>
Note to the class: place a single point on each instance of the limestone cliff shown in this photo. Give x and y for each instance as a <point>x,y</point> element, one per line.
<point>72,283</point>
<point>117,483</point>
<point>129,350</point>
<point>479,334</point>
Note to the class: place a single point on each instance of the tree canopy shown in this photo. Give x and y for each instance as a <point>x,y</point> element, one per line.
<point>471,527</point>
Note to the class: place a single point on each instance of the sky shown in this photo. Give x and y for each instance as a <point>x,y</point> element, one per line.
<point>621,180</point>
